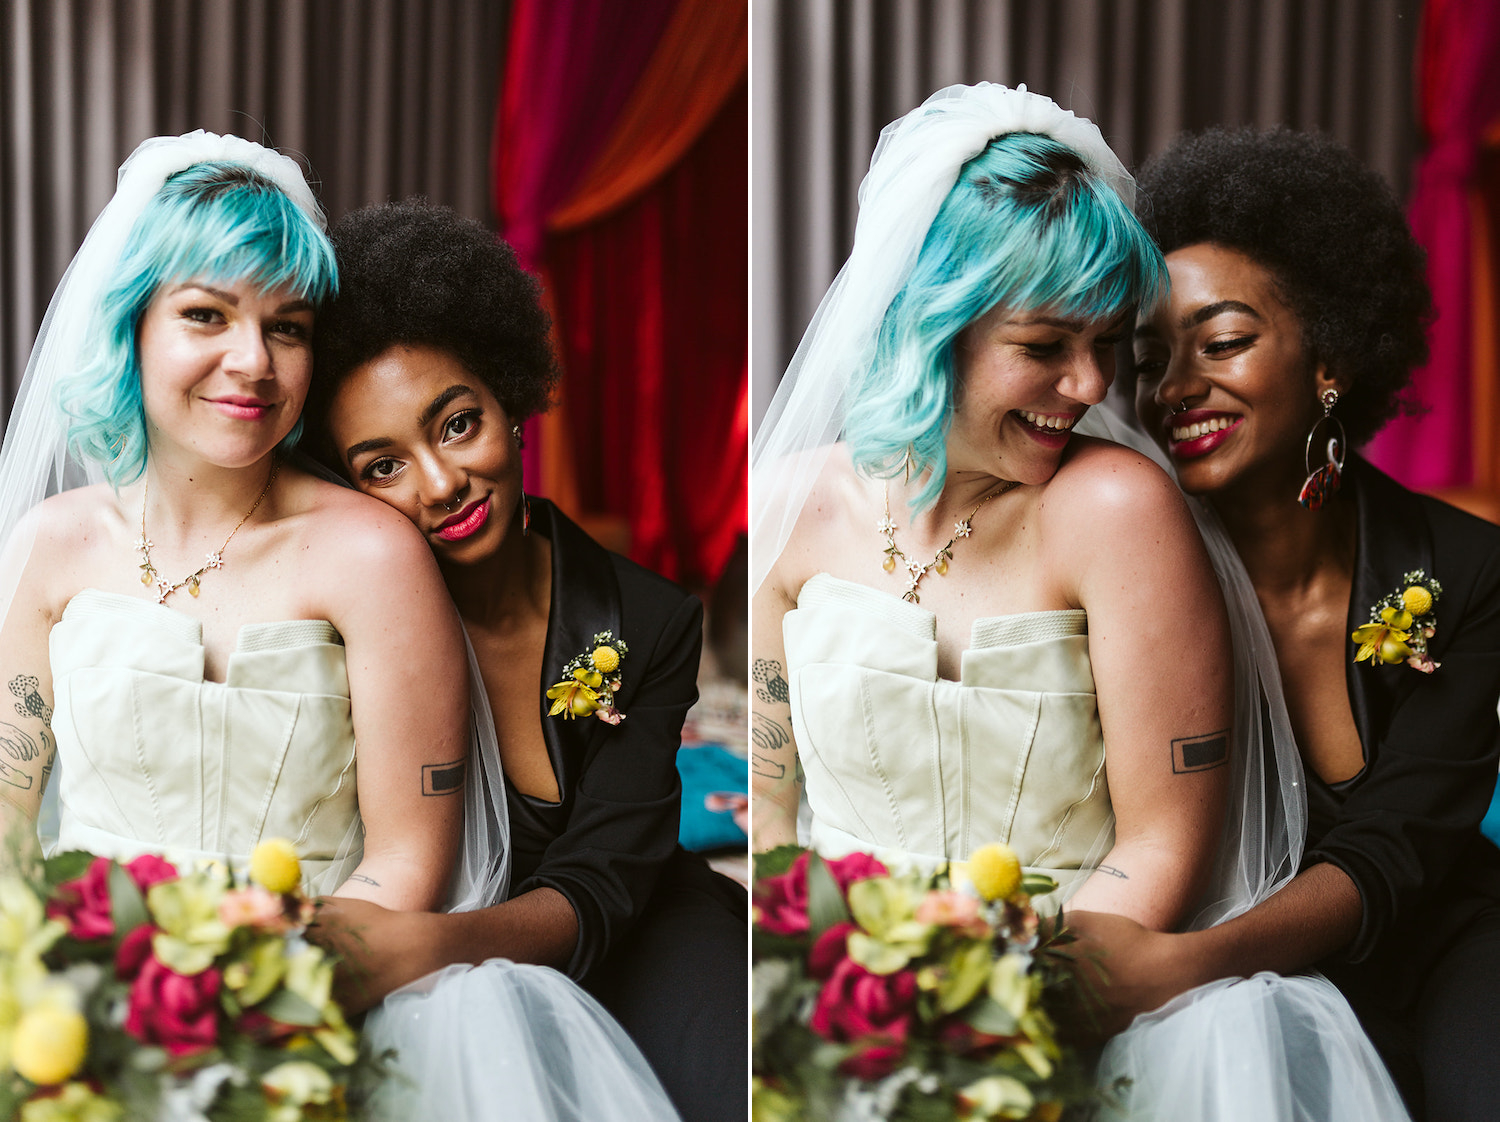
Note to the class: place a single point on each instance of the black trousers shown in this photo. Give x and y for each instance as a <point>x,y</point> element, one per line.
<point>1441,1047</point>
<point>678,985</point>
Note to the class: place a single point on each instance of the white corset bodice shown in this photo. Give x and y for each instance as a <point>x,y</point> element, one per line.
<point>909,765</point>
<point>153,758</point>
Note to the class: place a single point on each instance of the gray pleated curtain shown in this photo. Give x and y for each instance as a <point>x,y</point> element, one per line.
<point>827,75</point>
<point>380,99</point>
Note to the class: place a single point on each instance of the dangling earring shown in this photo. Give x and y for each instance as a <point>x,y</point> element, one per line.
<point>908,461</point>
<point>1323,484</point>
<point>515,431</point>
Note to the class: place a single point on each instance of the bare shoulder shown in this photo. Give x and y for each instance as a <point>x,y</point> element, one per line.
<point>68,523</point>
<point>1101,484</point>
<point>835,495</point>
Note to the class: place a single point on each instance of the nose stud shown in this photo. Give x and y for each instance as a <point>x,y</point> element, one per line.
<point>1180,407</point>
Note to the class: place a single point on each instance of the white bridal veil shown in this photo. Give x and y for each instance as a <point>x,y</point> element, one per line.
<point>34,461</point>
<point>915,164</point>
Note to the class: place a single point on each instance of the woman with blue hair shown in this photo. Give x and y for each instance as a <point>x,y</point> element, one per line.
<point>959,631</point>
<point>189,624</point>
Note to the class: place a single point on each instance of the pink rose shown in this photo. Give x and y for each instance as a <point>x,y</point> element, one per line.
<point>855,1004</point>
<point>175,1010</point>
<point>133,951</point>
<point>872,1063</point>
<point>957,910</point>
<point>782,901</point>
<point>149,869</point>
<point>83,904</point>
<point>252,907</point>
<point>831,948</point>
<point>262,1029</point>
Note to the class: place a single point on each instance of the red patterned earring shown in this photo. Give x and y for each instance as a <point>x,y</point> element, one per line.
<point>515,431</point>
<point>1323,483</point>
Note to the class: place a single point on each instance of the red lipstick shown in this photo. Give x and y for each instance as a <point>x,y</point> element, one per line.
<point>467,522</point>
<point>1191,447</point>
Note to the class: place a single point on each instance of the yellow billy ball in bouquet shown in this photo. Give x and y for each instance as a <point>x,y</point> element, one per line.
<point>274,865</point>
<point>50,1043</point>
<point>995,871</point>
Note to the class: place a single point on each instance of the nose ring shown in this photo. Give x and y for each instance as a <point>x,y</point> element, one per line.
<point>1180,407</point>
<point>450,506</point>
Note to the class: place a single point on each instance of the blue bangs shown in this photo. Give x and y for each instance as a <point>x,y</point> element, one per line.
<point>213,223</point>
<point>1027,226</point>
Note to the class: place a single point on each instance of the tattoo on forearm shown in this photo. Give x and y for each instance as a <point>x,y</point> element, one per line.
<point>14,776</point>
<point>1111,871</point>
<point>769,739</point>
<point>1200,753</point>
<point>772,679</point>
<point>364,879</point>
<point>19,744</point>
<point>444,779</point>
<point>28,689</point>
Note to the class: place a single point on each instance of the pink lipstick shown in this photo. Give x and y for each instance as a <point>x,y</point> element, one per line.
<point>467,522</point>
<point>1198,432</point>
<point>241,408</point>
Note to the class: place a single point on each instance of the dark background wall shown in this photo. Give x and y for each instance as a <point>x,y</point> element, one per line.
<point>378,98</point>
<point>827,75</point>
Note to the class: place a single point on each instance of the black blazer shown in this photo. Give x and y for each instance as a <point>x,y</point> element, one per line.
<point>607,840</point>
<point>1405,828</point>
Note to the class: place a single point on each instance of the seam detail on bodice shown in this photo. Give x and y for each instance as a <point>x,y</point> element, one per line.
<point>264,810</point>
<point>140,759</point>
<point>1067,816</point>
<point>312,815</point>
<point>875,765</point>
<point>1023,758</point>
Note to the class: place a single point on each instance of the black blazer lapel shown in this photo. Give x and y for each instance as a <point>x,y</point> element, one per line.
<point>585,601</point>
<point>1393,538</point>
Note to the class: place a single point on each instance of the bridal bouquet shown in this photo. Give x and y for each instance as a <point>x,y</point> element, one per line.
<point>141,991</point>
<point>905,996</point>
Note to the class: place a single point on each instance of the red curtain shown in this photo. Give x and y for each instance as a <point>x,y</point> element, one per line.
<point>1459,104</point>
<point>633,205</point>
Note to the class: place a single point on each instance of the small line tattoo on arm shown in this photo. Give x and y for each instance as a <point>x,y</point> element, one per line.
<point>19,744</point>
<point>773,687</point>
<point>364,879</point>
<point>28,689</point>
<point>1200,753</point>
<point>769,738</point>
<point>444,779</point>
<point>1111,871</point>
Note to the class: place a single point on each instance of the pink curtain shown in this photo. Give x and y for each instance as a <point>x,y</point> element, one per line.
<point>1459,101</point>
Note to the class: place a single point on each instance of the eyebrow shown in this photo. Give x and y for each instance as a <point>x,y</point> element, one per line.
<point>298,305</point>
<point>431,410</point>
<point>1208,311</point>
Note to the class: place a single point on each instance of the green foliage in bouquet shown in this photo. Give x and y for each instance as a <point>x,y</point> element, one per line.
<point>906,997</point>
<point>135,991</point>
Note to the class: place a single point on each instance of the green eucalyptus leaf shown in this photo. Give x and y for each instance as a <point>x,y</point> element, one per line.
<point>988,1015</point>
<point>825,903</point>
<point>126,903</point>
<point>289,1009</point>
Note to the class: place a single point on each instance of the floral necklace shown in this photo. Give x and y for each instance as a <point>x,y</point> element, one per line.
<point>916,570</point>
<point>215,559</point>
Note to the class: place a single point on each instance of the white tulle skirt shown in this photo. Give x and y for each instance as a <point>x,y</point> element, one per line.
<point>1261,1049</point>
<point>512,1042</point>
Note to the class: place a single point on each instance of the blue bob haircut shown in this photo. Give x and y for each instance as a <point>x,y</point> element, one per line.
<point>210,222</point>
<point>1028,226</point>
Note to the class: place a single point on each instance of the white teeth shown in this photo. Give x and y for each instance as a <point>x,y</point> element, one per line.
<point>1202,428</point>
<point>1042,421</point>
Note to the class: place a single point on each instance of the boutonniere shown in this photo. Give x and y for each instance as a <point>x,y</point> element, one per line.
<point>590,681</point>
<point>1401,624</point>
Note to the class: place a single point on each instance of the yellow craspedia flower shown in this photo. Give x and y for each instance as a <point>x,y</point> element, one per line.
<point>49,1044</point>
<point>1416,600</point>
<point>606,660</point>
<point>995,870</point>
<point>274,865</point>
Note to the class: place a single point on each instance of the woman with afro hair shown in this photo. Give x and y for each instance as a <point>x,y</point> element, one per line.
<point>433,355</point>
<point>1296,314</point>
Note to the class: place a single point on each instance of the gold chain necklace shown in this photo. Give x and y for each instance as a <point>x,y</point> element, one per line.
<point>915,570</point>
<point>215,559</point>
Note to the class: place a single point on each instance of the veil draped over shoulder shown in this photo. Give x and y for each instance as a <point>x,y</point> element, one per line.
<point>35,464</point>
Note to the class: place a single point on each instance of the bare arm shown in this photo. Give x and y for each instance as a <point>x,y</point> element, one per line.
<point>775,784</point>
<point>408,684</point>
<point>1160,649</point>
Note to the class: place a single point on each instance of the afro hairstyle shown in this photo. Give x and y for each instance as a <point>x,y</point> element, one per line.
<point>1329,230</point>
<point>415,274</point>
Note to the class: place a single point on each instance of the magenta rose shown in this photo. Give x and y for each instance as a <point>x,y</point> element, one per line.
<point>133,951</point>
<point>177,1011</point>
<point>782,901</point>
<point>857,866</point>
<point>856,1005</point>
<point>831,948</point>
<point>149,869</point>
<point>83,904</point>
<point>875,1062</point>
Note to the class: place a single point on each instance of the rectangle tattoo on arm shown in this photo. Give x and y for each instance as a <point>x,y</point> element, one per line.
<point>444,779</point>
<point>1199,753</point>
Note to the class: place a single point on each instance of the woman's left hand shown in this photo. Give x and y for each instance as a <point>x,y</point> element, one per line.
<point>380,950</point>
<point>1129,968</point>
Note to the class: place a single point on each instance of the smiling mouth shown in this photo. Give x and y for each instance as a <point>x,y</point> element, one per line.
<point>466,522</point>
<point>242,408</point>
<point>1045,422</point>
<point>1198,433</point>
